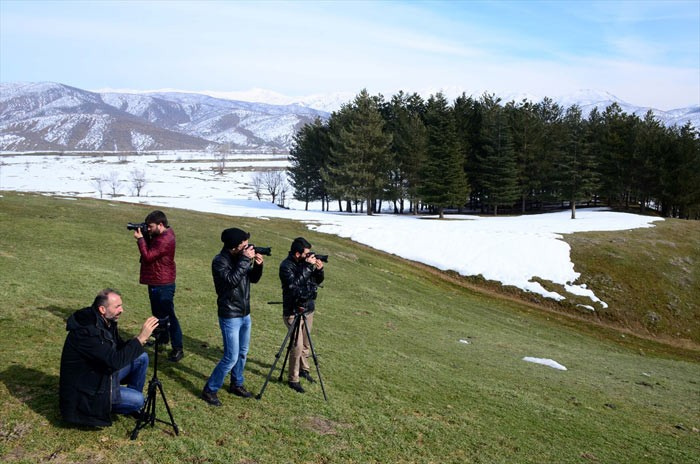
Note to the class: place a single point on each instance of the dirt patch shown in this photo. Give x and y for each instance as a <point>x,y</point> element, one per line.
<point>324,426</point>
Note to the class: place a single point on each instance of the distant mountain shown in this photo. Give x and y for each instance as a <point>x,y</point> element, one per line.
<point>51,116</point>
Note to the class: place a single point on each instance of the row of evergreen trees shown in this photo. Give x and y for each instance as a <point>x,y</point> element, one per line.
<point>481,155</point>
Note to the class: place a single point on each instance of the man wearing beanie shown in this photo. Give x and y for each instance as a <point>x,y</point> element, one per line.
<point>233,269</point>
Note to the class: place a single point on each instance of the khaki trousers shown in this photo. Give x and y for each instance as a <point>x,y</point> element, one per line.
<point>300,352</point>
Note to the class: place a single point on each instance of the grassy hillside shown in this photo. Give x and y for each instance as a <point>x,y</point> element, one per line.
<point>402,384</point>
<point>650,278</point>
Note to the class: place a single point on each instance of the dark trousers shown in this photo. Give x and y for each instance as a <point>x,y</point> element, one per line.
<point>162,305</point>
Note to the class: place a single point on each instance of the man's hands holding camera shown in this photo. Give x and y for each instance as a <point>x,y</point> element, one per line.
<point>314,261</point>
<point>147,329</point>
<point>249,252</point>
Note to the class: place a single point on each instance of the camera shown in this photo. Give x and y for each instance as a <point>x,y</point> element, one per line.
<point>306,293</point>
<point>142,226</point>
<point>162,333</point>
<point>323,258</point>
<point>267,251</point>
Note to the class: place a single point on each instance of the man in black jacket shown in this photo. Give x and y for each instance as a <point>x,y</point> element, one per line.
<point>300,273</point>
<point>95,362</point>
<point>233,270</point>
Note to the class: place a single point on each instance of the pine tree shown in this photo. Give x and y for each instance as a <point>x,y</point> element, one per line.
<point>360,159</point>
<point>576,170</point>
<point>548,150</point>
<point>497,159</point>
<point>526,131</point>
<point>409,147</point>
<point>444,182</point>
<point>468,122</point>
<point>309,152</point>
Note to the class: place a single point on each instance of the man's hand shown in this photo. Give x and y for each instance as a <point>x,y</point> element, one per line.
<point>138,234</point>
<point>147,329</point>
<point>249,252</point>
<point>311,259</point>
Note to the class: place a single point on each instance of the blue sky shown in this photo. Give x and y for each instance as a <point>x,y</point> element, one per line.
<point>644,52</point>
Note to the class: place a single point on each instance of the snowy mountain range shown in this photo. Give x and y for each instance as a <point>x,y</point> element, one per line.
<point>58,117</point>
<point>50,116</point>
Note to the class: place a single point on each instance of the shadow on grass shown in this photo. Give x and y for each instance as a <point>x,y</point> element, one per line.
<point>36,389</point>
<point>62,313</point>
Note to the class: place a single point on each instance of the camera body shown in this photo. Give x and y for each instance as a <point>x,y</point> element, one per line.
<point>142,226</point>
<point>308,292</point>
<point>323,258</point>
<point>266,251</point>
<point>162,332</point>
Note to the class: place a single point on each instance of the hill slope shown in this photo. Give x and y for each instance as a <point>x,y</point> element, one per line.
<point>417,368</point>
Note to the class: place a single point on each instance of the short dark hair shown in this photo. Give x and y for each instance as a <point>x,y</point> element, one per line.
<point>299,245</point>
<point>103,297</point>
<point>156,217</point>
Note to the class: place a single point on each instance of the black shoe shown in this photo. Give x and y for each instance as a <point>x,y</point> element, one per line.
<point>210,397</point>
<point>307,376</point>
<point>176,354</point>
<point>239,391</point>
<point>296,386</point>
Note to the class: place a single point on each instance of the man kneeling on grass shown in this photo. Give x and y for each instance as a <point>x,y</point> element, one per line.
<point>95,362</point>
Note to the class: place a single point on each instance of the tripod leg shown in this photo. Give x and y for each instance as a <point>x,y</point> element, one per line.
<point>148,411</point>
<point>292,343</point>
<point>167,408</point>
<point>277,357</point>
<point>313,355</point>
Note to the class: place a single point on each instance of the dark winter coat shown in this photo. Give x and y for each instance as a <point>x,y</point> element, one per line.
<point>91,353</point>
<point>299,281</point>
<point>232,278</point>
<point>158,259</point>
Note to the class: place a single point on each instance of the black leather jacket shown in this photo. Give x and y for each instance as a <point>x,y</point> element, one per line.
<point>91,353</point>
<point>233,275</point>
<point>299,281</point>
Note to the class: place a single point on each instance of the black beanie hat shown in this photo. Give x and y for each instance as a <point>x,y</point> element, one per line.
<point>233,237</point>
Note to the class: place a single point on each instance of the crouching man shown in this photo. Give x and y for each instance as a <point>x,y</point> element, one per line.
<point>95,362</point>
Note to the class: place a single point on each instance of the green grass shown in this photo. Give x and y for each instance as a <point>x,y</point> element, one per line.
<point>401,386</point>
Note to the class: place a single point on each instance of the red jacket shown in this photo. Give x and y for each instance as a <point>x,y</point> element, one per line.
<point>158,259</point>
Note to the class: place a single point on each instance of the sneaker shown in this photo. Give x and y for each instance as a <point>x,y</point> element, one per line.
<point>307,376</point>
<point>210,397</point>
<point>239,391</point>
<point>176,354</point>
<point>296,386</point>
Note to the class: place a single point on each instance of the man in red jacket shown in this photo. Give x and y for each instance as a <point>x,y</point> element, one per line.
<point>158,272</point>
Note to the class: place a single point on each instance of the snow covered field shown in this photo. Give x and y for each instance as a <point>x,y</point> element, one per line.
<point>511,250</point>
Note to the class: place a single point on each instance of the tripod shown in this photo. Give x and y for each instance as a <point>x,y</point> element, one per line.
<point>292,336</point>
<point>147,415</point>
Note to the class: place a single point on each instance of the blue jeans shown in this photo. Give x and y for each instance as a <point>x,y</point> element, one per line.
<point>129,398</point>
<point>162,305</point>
<point>236,334</point>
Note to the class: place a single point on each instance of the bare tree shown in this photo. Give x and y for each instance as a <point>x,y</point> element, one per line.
<point>271,181</point>
<point>99,183</point>
<point>114,182</point>
<point>138,180</point>
<point>258,185</point>
<point>283,194</point>
<point>221,155</point>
